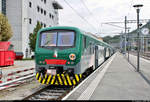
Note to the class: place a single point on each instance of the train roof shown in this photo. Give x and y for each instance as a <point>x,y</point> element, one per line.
<point>95,37</point>
<point>76,29</point>
<point>60,27</point>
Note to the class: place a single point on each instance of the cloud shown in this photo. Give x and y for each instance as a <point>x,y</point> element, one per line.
<point>102,11</point>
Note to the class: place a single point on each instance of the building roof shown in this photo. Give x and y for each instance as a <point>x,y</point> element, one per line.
<point>57,5</point>
<point>147,25</point>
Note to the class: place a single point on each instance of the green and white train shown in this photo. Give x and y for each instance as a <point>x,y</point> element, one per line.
<point>63,55</point>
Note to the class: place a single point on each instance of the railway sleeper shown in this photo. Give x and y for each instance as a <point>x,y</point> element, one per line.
<point>59,79</point>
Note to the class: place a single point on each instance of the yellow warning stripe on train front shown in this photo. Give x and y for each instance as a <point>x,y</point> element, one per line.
<point>59,79</point>
<point>48,79</point>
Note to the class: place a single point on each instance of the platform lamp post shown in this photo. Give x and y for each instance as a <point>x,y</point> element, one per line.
<point>137,7</point>
<point>128,41</point>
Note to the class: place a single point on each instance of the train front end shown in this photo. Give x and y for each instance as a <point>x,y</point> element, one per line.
<point>57,56</point>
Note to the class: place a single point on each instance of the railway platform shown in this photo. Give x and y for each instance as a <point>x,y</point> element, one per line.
<point>116,79</point>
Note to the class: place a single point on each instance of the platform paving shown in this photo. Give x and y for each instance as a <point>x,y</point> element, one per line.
<point>122,82</point>
<point>116,80</point>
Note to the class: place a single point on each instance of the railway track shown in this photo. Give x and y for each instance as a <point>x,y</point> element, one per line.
<point>50,93</point>
<point>145,56</point>
<point>53,92</point>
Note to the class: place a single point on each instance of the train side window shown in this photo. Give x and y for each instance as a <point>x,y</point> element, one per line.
<point>90,48</point>
<point>84,42</point>
<point>93,49</point>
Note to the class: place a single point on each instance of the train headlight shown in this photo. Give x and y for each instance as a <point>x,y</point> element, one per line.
<point>41,62</point>
<point>72,56</point>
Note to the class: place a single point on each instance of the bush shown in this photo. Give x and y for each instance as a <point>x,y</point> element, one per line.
<point>5,29</point>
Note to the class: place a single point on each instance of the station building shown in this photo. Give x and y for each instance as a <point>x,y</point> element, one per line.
<point>23,16</point>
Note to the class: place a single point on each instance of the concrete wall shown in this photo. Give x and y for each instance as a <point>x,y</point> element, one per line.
<point>14,15</point>
<point>0,6</point>
<point>19,13</point>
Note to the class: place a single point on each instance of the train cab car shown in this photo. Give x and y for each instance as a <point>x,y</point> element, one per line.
<point>64,54</point>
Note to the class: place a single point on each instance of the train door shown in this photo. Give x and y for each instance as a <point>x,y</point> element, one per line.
<point>101,57</point>
<point>109,52</point>
<point>96,56</point>
<point>106,53</point>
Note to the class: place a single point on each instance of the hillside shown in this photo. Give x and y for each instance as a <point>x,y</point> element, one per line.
<point>114,39</point>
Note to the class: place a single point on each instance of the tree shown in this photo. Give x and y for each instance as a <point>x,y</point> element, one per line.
<point>32,36</point>
<point>107,39</point>
<point>114,39</point>
<point>5,28</point>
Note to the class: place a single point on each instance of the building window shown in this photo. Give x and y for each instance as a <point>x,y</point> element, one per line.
<point>45,1</point>
<point>41,11</point>
<point>52,17</point>
<point>84,42</point>
<point>30,21</point>
<point>4,7</point>
<point>30,4</point>
<point>41,24</point>
<point>44,12</point>
<point>55,12</point>
<point>38,8</point>
<point>37,21</point>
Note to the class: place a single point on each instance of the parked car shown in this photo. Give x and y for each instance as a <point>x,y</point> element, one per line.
<point>19,55</point>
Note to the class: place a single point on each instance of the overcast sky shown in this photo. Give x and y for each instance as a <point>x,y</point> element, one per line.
<point>102,11</point>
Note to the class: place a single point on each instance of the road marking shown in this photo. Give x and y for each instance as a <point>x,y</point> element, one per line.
<point>89,91</point>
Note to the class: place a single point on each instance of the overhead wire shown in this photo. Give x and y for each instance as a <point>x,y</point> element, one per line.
<point>79,14</point>
<point>84,4</point>
<point>131,5</point>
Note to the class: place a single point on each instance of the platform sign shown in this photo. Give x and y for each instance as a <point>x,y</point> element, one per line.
<point>145,31</point>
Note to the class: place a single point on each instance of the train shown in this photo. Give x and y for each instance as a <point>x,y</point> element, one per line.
<point>64,55</point>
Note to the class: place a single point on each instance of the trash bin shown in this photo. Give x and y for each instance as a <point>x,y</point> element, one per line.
<point>7,54</point>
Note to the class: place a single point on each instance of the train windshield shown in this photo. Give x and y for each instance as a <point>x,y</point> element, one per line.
<point>57,39</point>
